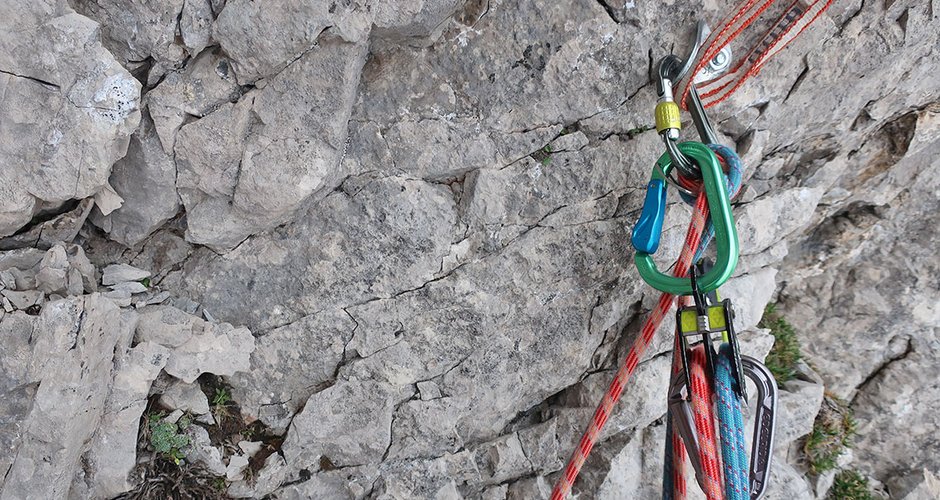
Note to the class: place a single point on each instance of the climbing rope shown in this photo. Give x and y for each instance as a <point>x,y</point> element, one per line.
<point>731,429</point>
<point>701,397</point>
<point>717,74</point>
<point>732,164</point>
<point>692,246</point>
<point>642,342</point>
<point>674,485</point>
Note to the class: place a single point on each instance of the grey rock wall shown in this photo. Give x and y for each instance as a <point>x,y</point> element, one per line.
<point>398,231</point>
<point>68,111</point>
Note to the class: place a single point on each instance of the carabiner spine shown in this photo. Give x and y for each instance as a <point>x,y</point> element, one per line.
<point>762,445</point>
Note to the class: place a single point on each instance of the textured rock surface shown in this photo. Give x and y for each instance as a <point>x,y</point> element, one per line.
<point>421,209</point>
<point>76,373</point>
<point>113,453</point>
<point>146,180</point>
<point>137,30</point>
<point>251,165</point>
<point>67,110</point>
<point>69,370</point>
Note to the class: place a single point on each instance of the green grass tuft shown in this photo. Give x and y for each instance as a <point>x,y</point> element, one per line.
<point>850,485</point>
<point>832,434</point>
<point>220,405</point>
<point>785,353</point>
<point>222,397</point>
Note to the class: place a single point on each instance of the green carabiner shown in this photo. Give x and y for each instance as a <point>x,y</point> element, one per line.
<point>726,236</point>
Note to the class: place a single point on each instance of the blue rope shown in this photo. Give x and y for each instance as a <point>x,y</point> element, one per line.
<point>733,181</point>
<point>731,430</point>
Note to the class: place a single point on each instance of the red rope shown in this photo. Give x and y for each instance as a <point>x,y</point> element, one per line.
<point>678,464</point>
<point>705,425</point>
<point>796,18</point>
<point>606,406</point>
<point>743,17</point>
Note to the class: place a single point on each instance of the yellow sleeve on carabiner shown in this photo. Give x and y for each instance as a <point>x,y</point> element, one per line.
<point>667,116</point>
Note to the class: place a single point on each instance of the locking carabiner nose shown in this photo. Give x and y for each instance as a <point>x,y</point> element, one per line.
<point>668,121</point>
<point>647,232</point>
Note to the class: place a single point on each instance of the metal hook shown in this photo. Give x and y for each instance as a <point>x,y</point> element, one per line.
<point>701,34</point>
<point>668,122</point>
<point>716,66</point>
<point>676,69</point>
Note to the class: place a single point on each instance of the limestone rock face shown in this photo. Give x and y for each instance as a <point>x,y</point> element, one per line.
<point>204,84</point>
<point>251,165</point>
<point>398,232</point>
<point>878,257</point>
<point>134,31</point>
<point>282,32</point>
<point>146,180</point>
<point>68,109</point>
<point>76,373</point>
<point>69,370</point>
<point>292,362</point>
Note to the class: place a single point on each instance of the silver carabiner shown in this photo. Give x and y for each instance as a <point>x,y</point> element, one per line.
<point>765,416</point>
<point>665,71</point>
<point>718,65</point>
<point>671,69</point>
<point>762,443</point>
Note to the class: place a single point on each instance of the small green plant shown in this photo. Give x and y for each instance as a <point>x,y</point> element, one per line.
<point>145,282</point>
<point>166,439</point>
<point>543,155</point>
<point>249,433</point>
<point>222,397</point>
<point>635,131</point>
<point>785,354</point>
<point>219,484</point>
<point>850,485</point>
<point>548,155</point>
<point>220,403</point>
<point>831,435</point>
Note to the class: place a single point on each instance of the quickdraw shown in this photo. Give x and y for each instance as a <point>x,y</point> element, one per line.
<point>703,375</point>
<point>646,233</point>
